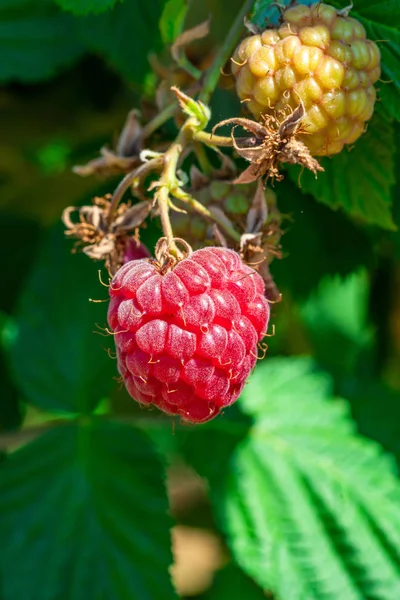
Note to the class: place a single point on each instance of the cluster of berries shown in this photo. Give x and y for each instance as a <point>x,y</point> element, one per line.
<point>188,331</point>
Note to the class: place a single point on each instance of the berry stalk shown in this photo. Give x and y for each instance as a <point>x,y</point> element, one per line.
<point>214,72</point>
<point>166,185</point>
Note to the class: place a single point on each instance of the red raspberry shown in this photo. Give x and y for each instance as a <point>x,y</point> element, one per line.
<point>187,337</point>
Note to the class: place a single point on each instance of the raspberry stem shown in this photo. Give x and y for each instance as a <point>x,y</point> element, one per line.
<point>202,158</point>
<point>159,120</point>
<point>212,140</point>
<point>214,72</point>
<point>166,185</point>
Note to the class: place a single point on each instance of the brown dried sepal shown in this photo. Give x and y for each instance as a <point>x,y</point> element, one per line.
<point>257,254</point>
<point>123,159</point>
<point>100,238</point>
<point>260,243</point>
<point>273,142</point>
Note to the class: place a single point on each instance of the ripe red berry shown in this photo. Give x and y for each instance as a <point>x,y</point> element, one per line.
<point>187,337</point>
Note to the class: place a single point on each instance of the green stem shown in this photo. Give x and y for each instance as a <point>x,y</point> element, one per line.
<point>202,158</point>
<point>202,210</point>
<point>166,184</point>
<point>212,140</point>
<point>166,114</point>
<point>163,206</point>
<point>187,66</point>
<point>214,72</point>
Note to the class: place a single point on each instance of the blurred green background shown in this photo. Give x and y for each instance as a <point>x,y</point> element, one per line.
<point>68,82</point>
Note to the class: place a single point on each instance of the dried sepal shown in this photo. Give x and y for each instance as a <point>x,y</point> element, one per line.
<point>197,179</point>
<point>257,254</point>
<point>197,32</point>
<point>102,239</point>
<point>131,218</point>
<point>274,141</point>
<point>260,243</point>
<point>252,173</point>
<point>102,249</point>
<point>123,159</point>
<point>225,172</point>
<point>219,237</point>
<point>252,27</point>
<point>219,214</point>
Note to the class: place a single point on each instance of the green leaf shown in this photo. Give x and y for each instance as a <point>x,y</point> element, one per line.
<point>172,20</point>
<point>395,237</point>
<point>83,7</point>
<point>339,335</point>
<point>36,40</point>
<point>311,509</point>
<point>359,180</point>
<point>16,228</point>
<point>232,584</point>
<point>125,36</point>
<point>317,242</point>
<point>381,23</point>
<point>58,361</point>
<point>376,408</point>
<point>10,408</point>
<point>84,513</point>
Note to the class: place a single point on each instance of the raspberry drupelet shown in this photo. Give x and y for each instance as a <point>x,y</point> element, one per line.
<point>187,336</point>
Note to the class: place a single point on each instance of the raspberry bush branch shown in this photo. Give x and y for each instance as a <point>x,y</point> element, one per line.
<point>214,73</point>
<point>187,325</point>
<point>165,186</point>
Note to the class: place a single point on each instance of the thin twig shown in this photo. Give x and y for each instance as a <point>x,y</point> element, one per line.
<point>214,72</point>
<point>212,140</point>
<point>159,120</point>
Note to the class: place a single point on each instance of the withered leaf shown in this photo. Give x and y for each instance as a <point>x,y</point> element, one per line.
<point>273,142</point>
<point>221,216</point>
<point>197,179</point>
<point>129,140</point>
<point>124,158</point>
<point>220,238</point>
<point>248,124</point>
<point>187,37</point>
<point>252,173</point>
<point>101,250</point>
<point>249,239</point>
<point>291,124</point>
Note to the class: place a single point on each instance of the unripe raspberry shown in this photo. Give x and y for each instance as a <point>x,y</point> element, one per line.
<point>233,200</point>
<point>186,337</point>
<point>321,57</point>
